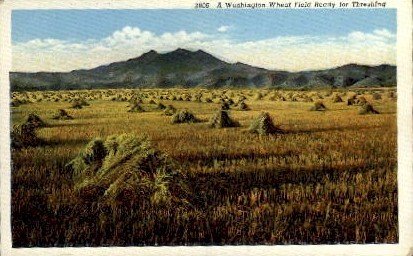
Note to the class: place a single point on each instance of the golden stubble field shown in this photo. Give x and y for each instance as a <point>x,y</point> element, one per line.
<point>330,177</point>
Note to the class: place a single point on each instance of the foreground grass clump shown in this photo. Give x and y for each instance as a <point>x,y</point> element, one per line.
<point>160,106</point>
<point>361,100</point>
<point>184,116</point>
<point>24,135</point>
<point>263,125</point>
<point>169,110</point>
<point>391,95</point>
<point>136,107</point>
<point>351,101</point>
<point>225,105</point>
<point>376,96</point>
<point>79,104</point>
<point>368,109</point>
<point>337,98</point>
<point>126,169</point>
<point>35,121</point>
<point>17,102</point>
<point>62,115</point>
<point>243,106</point>
<point>318,106</point>
<point>221,119</point>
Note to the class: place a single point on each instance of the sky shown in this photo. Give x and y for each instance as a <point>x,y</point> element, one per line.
<point>292,39</point>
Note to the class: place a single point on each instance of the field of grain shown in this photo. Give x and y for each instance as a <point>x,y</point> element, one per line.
<point>329,177</point>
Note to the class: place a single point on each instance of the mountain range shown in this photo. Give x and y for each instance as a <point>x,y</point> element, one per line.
<point>198,68</point>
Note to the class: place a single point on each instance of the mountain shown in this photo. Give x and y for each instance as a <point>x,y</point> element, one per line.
<point>198,68</point>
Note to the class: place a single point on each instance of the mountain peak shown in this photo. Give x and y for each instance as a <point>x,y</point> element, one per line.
<point>181,50</point>
<point>146,56</point>
<point>241,64</point>
<point>201,52</point>
<point>150,53</point>
<point>246,66</point>
<point>352,66</point>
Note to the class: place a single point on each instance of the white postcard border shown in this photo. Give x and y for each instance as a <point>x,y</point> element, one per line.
<point>405,144</point>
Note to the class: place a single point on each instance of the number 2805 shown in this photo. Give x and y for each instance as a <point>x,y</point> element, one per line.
<point>201,5</point>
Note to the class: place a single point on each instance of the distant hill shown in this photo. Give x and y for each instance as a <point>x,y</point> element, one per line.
<point>198,68</point>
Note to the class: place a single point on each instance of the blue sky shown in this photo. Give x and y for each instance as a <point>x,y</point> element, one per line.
<point>64,33</point>
<point>78,25</point>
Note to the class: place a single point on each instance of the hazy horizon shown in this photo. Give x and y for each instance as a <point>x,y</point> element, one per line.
<point>194,50</point>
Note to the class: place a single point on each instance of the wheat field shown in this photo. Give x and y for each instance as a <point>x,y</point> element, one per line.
<point>329,177</point>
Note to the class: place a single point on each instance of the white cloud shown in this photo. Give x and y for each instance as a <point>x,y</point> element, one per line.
<point>291,53</point>
<point>223,29</point>
<point>384,33</point>
<point>377,35</point>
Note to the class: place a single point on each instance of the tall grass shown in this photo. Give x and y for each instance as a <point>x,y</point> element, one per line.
<point>329,178</point>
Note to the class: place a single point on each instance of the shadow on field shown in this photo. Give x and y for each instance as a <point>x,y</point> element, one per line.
<point>208,159</point>
<point>219,185</point>
<point>67,142</point>
<point>332,129</point>
<point>68,124</point>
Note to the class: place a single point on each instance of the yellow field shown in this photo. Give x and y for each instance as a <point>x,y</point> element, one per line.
<point>329,178</point>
